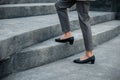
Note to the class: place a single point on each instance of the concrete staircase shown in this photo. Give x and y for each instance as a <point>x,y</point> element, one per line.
<point>106,66</point>
<point>27,37</point>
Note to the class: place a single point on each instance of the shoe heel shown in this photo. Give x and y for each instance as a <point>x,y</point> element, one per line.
<point>71,41</point>
<point>93,61</point>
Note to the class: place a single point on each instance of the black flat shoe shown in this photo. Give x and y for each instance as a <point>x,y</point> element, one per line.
<point>70,40</point>
<point>90,60</point>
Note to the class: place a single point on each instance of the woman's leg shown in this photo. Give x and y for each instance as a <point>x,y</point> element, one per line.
<point>84,19</point>
<point>61,7</point>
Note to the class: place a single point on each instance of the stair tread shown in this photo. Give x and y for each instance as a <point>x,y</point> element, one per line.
<point>106,66</point>
<point>26,4</point>
<point>13,27</point>
<point>96,29</point>
<point>25,1</point>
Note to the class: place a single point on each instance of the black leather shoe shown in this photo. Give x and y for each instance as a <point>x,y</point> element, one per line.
<point>70,40</point>
<point>89,60</point>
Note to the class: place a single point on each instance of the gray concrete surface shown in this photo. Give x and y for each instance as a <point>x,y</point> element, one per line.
<point>23,10</point>
<point>45,52</point>
<point>106,66</point>
<point>19,33</point>
<point>28,9</point>
<point>25,1</point>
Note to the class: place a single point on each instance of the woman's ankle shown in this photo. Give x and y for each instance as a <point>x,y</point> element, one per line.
<point>68,34</point>
<point>89,53</point>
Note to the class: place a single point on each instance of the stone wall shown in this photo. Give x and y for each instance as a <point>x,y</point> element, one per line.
<point>107,5</point>
<point>118,9</point>
<point>101,5</point>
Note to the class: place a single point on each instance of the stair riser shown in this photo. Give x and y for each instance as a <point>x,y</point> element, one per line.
<point>19,42</point>
<point>28,60</point>
<point>26,11</point>
<point>15,12</point>
<point>25,1</point>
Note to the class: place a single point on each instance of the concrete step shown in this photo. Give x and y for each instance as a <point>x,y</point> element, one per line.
<point>25,1</point>
<point>49,51</point>
<point>17,34</point>
<point>106,66</point>
<point>25,10</point>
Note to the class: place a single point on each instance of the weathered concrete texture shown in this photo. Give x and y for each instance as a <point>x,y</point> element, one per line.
<point>25,10</point>
<point>49,51</point>
<point>25,1</point>
<point>16,34</point>
<point>106,66</point>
